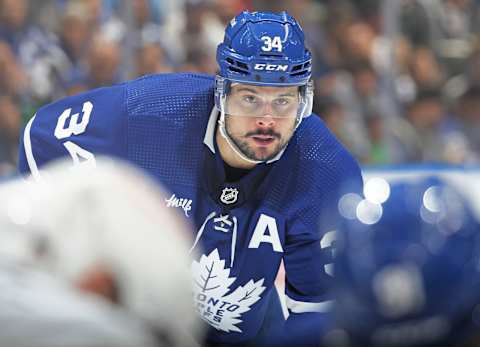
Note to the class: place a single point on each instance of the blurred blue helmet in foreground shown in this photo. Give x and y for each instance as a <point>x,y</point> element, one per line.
<point>407,268</point>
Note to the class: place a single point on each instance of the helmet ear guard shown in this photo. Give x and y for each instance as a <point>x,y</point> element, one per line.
<point>308,92</point>
<point>222,87</point>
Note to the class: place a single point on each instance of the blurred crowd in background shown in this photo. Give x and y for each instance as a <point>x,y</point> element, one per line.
<point>397,81</point>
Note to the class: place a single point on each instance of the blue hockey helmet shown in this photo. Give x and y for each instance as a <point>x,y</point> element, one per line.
<point>263,49</point>
<point>408,268</point>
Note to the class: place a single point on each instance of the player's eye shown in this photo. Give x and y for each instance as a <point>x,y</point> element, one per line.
<point>249,99</point>
<point>282,101</point>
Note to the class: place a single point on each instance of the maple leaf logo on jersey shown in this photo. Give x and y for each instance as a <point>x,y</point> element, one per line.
<point>212,282</point>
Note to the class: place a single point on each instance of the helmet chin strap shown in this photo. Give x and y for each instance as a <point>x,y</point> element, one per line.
<point>233,146</point>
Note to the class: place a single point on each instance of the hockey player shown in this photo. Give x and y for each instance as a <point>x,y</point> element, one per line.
<point>406,267</point>
<point>85,260</point>
<point>243,161</point>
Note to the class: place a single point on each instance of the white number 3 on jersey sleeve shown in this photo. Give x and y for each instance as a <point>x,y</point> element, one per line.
<point>77,125</point>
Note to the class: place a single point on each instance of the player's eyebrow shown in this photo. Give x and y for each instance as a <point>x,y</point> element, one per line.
<point>254,91</point>
<point>289,94</point>
<point>246,89</point>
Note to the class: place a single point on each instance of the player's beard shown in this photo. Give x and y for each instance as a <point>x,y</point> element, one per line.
<point>241,141</point>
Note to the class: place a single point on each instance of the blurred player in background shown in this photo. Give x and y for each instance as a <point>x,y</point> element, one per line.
<point>93,258</point>
<point>258,178</point>
<point>407,268</point>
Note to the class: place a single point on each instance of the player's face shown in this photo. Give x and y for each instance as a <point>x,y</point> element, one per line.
<point>261,120</point>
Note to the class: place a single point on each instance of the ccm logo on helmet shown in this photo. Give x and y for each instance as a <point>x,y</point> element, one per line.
<point>270,67</point>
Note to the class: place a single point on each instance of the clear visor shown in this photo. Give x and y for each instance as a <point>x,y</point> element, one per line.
<point>253,101</point>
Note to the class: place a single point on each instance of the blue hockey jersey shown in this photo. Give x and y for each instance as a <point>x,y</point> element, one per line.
<point>281,210</point>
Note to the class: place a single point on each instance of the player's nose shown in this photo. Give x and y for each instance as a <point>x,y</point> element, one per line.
<point>266,121</point>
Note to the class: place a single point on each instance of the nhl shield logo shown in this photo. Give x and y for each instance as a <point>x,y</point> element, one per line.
<point>229,196</point>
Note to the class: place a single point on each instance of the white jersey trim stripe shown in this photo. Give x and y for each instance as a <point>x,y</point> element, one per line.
<point>27,144</point>
<point>302,307</point>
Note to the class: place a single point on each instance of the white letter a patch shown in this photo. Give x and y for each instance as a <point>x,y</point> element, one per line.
<point>260,234</point>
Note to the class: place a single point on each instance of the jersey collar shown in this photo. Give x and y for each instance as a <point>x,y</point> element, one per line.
<point>210,132</point>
